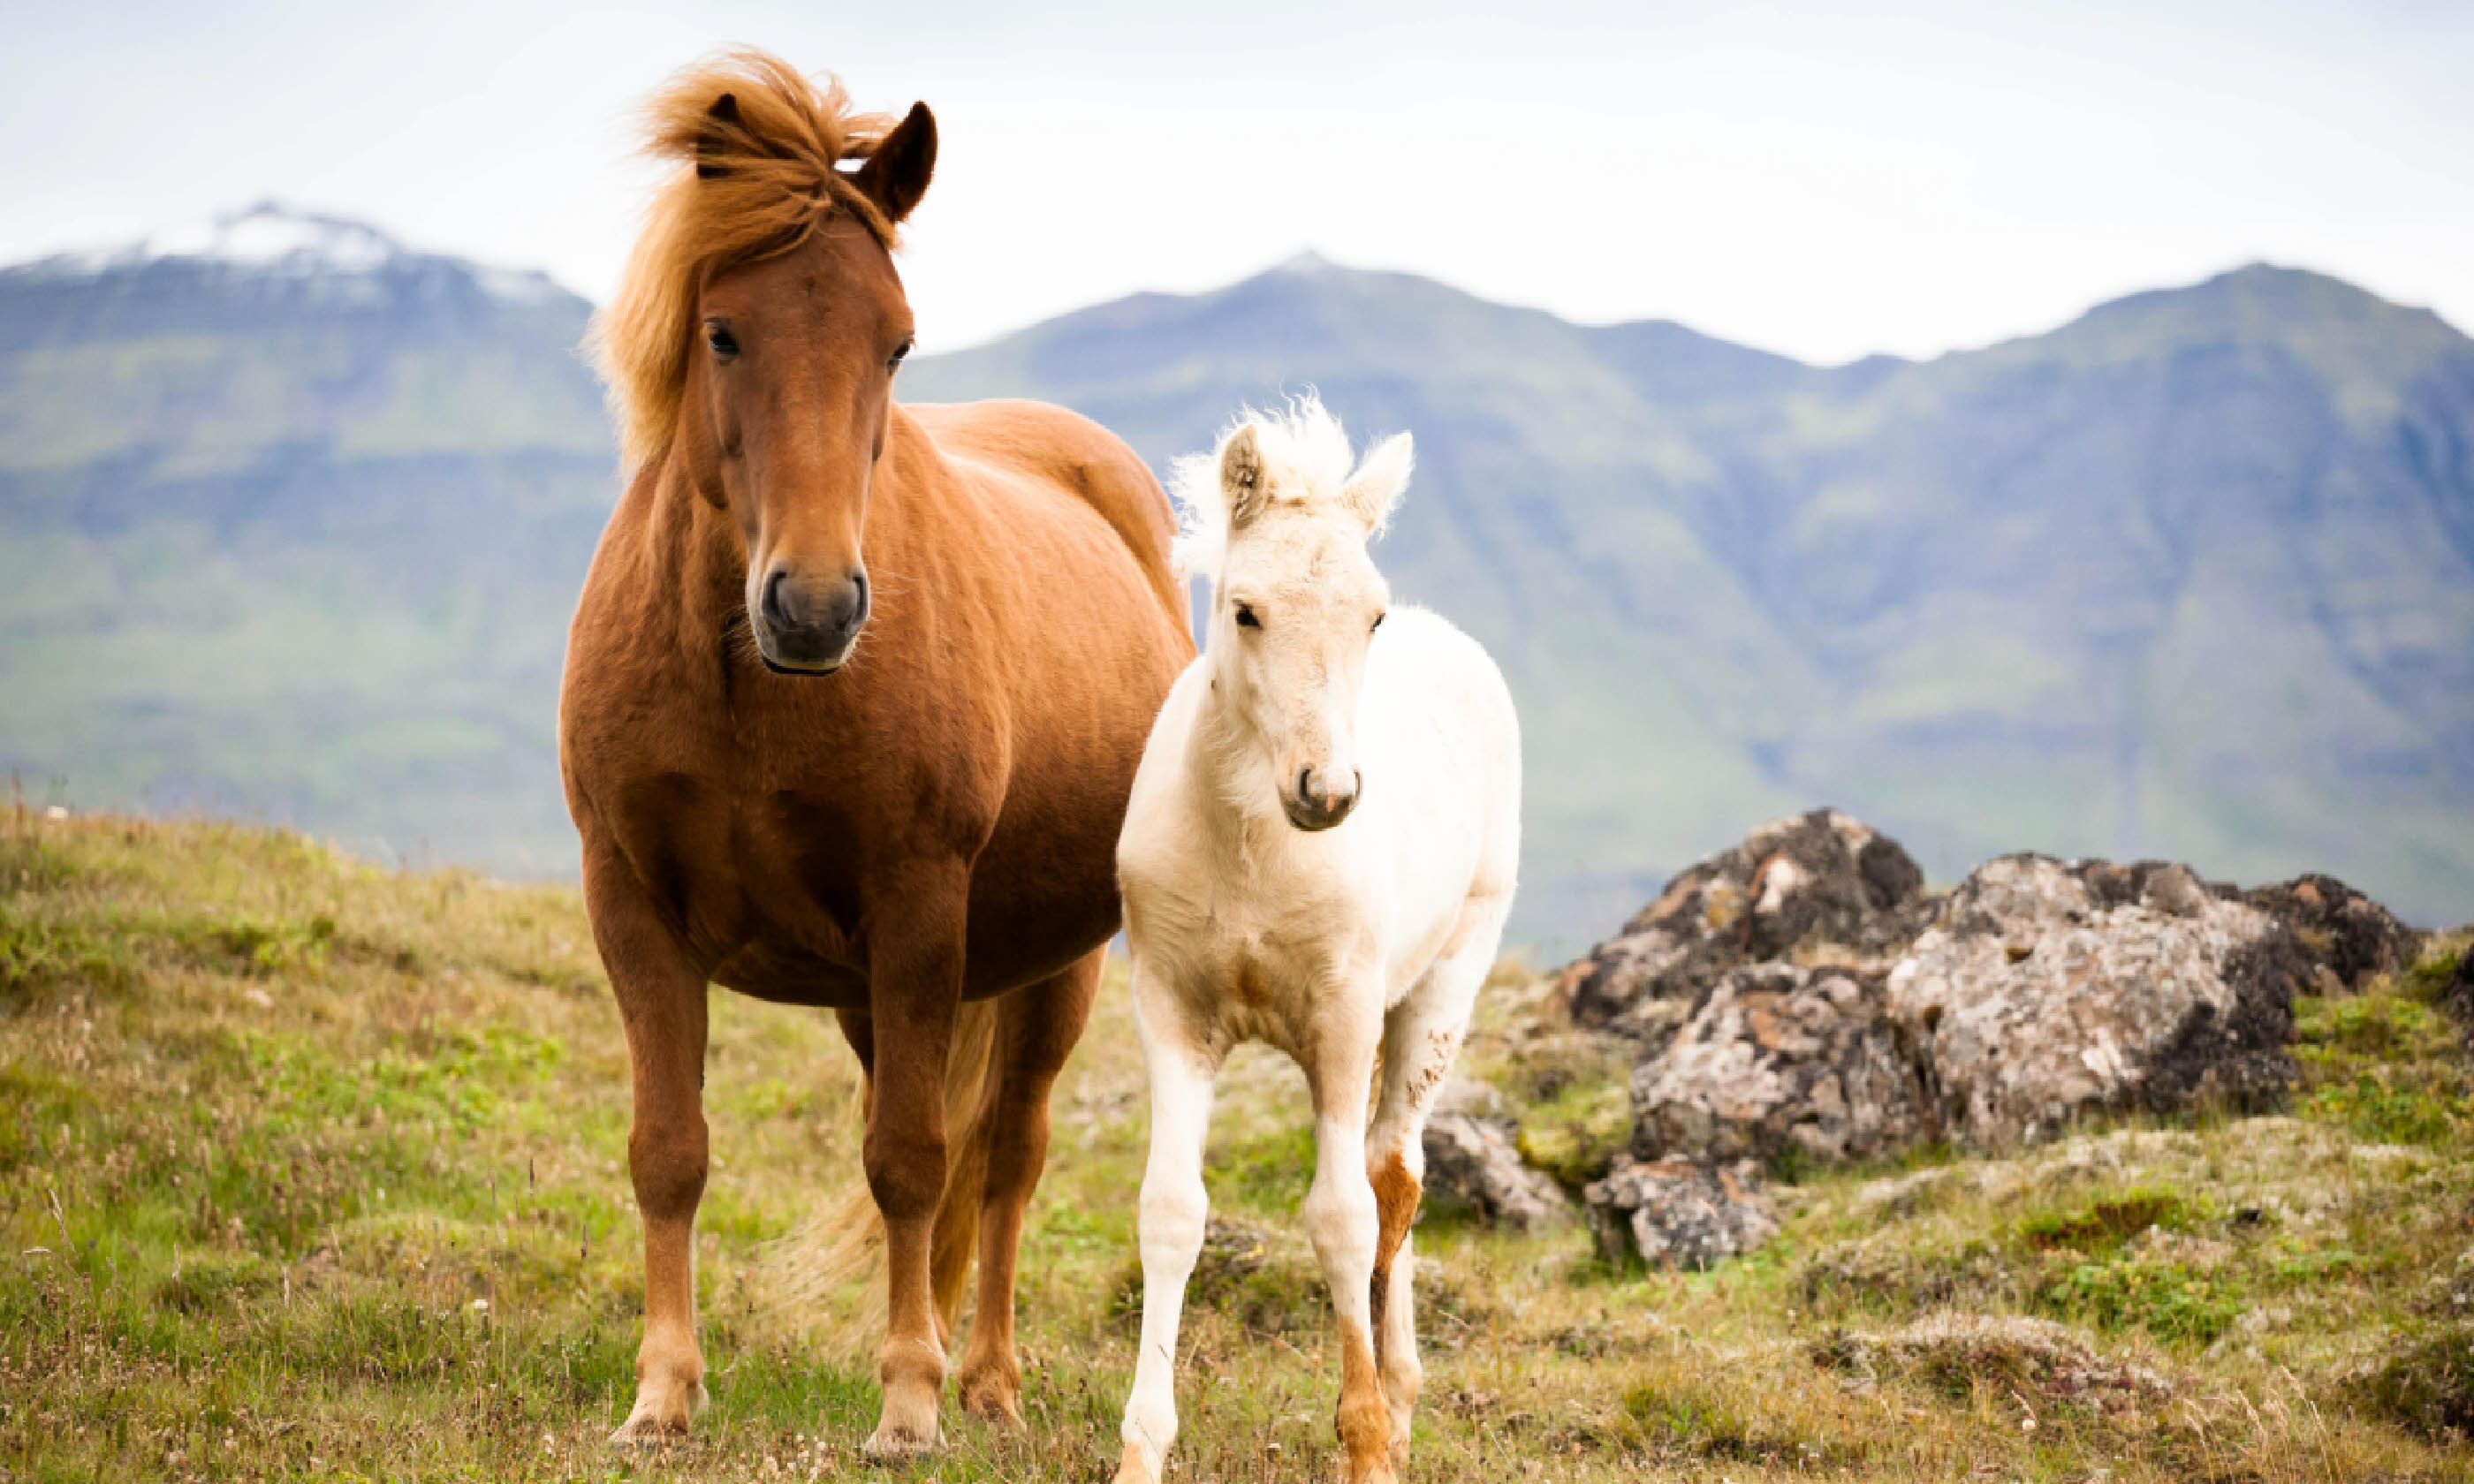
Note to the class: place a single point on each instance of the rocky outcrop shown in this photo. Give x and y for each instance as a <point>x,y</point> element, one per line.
<point>2045,990</point>
<point>1783,1063</point>
<point>1680,1212</point>
<point>1475,1162</point>
<point>2347,939</point>
<point>1817,886</point>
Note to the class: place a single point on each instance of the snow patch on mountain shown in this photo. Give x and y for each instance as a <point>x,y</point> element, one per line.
<point>272,239</point>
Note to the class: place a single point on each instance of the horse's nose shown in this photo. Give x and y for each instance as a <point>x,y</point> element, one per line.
<point>811,624</point>
<point>1321,801</point>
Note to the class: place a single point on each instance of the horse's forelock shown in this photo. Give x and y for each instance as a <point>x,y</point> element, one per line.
<point>1305,462</point>
<point>757,177</point>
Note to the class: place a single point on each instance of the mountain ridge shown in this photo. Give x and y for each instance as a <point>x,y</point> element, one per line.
<point>2190,574</point>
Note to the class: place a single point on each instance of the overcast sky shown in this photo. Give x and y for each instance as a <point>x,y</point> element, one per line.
<point>1827,180</point>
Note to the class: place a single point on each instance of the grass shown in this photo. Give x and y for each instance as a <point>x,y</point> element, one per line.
<point>310,1170</point>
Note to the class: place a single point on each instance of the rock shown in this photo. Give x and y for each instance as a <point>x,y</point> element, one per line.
<point>2338,928</point>
<point>1818,885</point>
<point>2045,990</point>
<point>1475,1162</point>
<point>1783,1063</point>
<point>1679,1212</point>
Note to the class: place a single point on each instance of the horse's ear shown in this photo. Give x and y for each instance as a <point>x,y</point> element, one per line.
<point>1241,476</point>
<point>722,117</point>
<point>896,175</point>
<point>1376,488</point>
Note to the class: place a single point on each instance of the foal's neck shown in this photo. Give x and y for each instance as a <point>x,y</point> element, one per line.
<point>1229,786</point>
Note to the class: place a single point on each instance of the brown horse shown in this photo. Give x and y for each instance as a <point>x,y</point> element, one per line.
<point>853,702</point>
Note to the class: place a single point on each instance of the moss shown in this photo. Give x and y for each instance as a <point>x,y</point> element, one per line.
<point>2107,1222</point>
<point>2427,1384</point>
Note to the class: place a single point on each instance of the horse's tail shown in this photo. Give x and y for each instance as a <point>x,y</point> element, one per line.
<point>842,1245</point>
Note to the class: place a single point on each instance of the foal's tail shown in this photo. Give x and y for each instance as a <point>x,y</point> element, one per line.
<point>842,1245</point>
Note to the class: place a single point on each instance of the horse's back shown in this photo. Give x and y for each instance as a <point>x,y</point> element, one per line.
<point>1063,450</point>
<point>1436,705</point>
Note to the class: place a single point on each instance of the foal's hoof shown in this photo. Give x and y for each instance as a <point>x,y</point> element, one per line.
<point>1132,1468</point>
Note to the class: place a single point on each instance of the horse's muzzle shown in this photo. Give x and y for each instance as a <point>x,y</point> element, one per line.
<point>1314,804</point>
<point>808,628</point>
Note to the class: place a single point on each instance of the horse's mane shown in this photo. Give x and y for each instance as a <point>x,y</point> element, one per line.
<point>1307,462</point>
<point>748,186</point>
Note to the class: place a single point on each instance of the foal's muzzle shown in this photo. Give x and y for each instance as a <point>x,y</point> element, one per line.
<point>806,626</point>
<point>1317,803</point>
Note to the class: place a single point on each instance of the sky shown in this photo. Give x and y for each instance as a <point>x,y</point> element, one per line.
<point>1825,180</point>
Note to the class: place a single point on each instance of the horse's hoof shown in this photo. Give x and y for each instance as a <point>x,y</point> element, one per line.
<point>994,1397</point>
<point>642,1434</point>
<point>1133,1469</point>
<point>891,1444</point>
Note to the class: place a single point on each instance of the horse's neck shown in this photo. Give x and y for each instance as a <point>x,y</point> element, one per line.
<point>692,571</point>
<point>1226,789</point>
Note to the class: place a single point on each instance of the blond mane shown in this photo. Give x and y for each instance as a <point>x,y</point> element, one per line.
<point>1307,462</point>
<point>770,178</point>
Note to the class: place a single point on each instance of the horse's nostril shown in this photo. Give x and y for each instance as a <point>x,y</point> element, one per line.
<point>771,601</point>
<point>1305,785</point>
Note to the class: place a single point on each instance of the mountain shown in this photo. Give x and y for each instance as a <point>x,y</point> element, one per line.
<point>291,521</point>
<point>2191,576</point>
<point>292,517</point>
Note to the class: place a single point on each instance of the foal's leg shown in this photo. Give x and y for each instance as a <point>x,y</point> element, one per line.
<point>1036,1029</point>
<point>914,992</point>
<point>1341,1213</point>
<point>1173,1209</point>
<point>1421,1036</point>
<point>662,1003</point>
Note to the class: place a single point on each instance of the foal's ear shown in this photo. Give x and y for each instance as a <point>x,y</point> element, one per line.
<point>1376,488</point>
<point>896,175</point>
<point>1241,476</point>
<point>712,142</point>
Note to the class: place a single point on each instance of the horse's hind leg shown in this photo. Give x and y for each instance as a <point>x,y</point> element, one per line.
<point>1422,1035</point>
<point>1036,1029</point>
<point>662,1003</point>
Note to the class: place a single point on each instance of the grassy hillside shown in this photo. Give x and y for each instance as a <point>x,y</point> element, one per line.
<point>310,1169</point>
<point>299,540</point>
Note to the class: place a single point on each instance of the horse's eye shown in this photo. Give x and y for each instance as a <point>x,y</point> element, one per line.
<point>717,335</point>
<point>901,353</point>
<point>1246,618</point>
<point>1376,624</point>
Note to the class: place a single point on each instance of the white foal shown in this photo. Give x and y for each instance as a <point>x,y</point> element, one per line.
<point>1318,854</point>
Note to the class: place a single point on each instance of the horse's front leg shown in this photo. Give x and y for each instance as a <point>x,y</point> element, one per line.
<point>915,986</point>
<point>1342,1217</point>
<point>661,1001</point>
<point>1421,1036</point>
<point>1173,1209</point>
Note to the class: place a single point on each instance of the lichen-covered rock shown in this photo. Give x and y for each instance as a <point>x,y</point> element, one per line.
<point>1820,884</point>
<point>1474,1160</point>
<point>1679,1212</point>
<point>2045,990</point>
<point>2348,939</point>
<point>1780,1061</point>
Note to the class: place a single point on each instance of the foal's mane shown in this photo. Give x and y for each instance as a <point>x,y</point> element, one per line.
<point>753,181</point>
<point>1307,462</point>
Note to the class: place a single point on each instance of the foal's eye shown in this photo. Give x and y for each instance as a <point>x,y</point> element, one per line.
<point>1377,623</point>
<point>717,335</point>
<point>901,353</point>
<point>1246,618</point>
